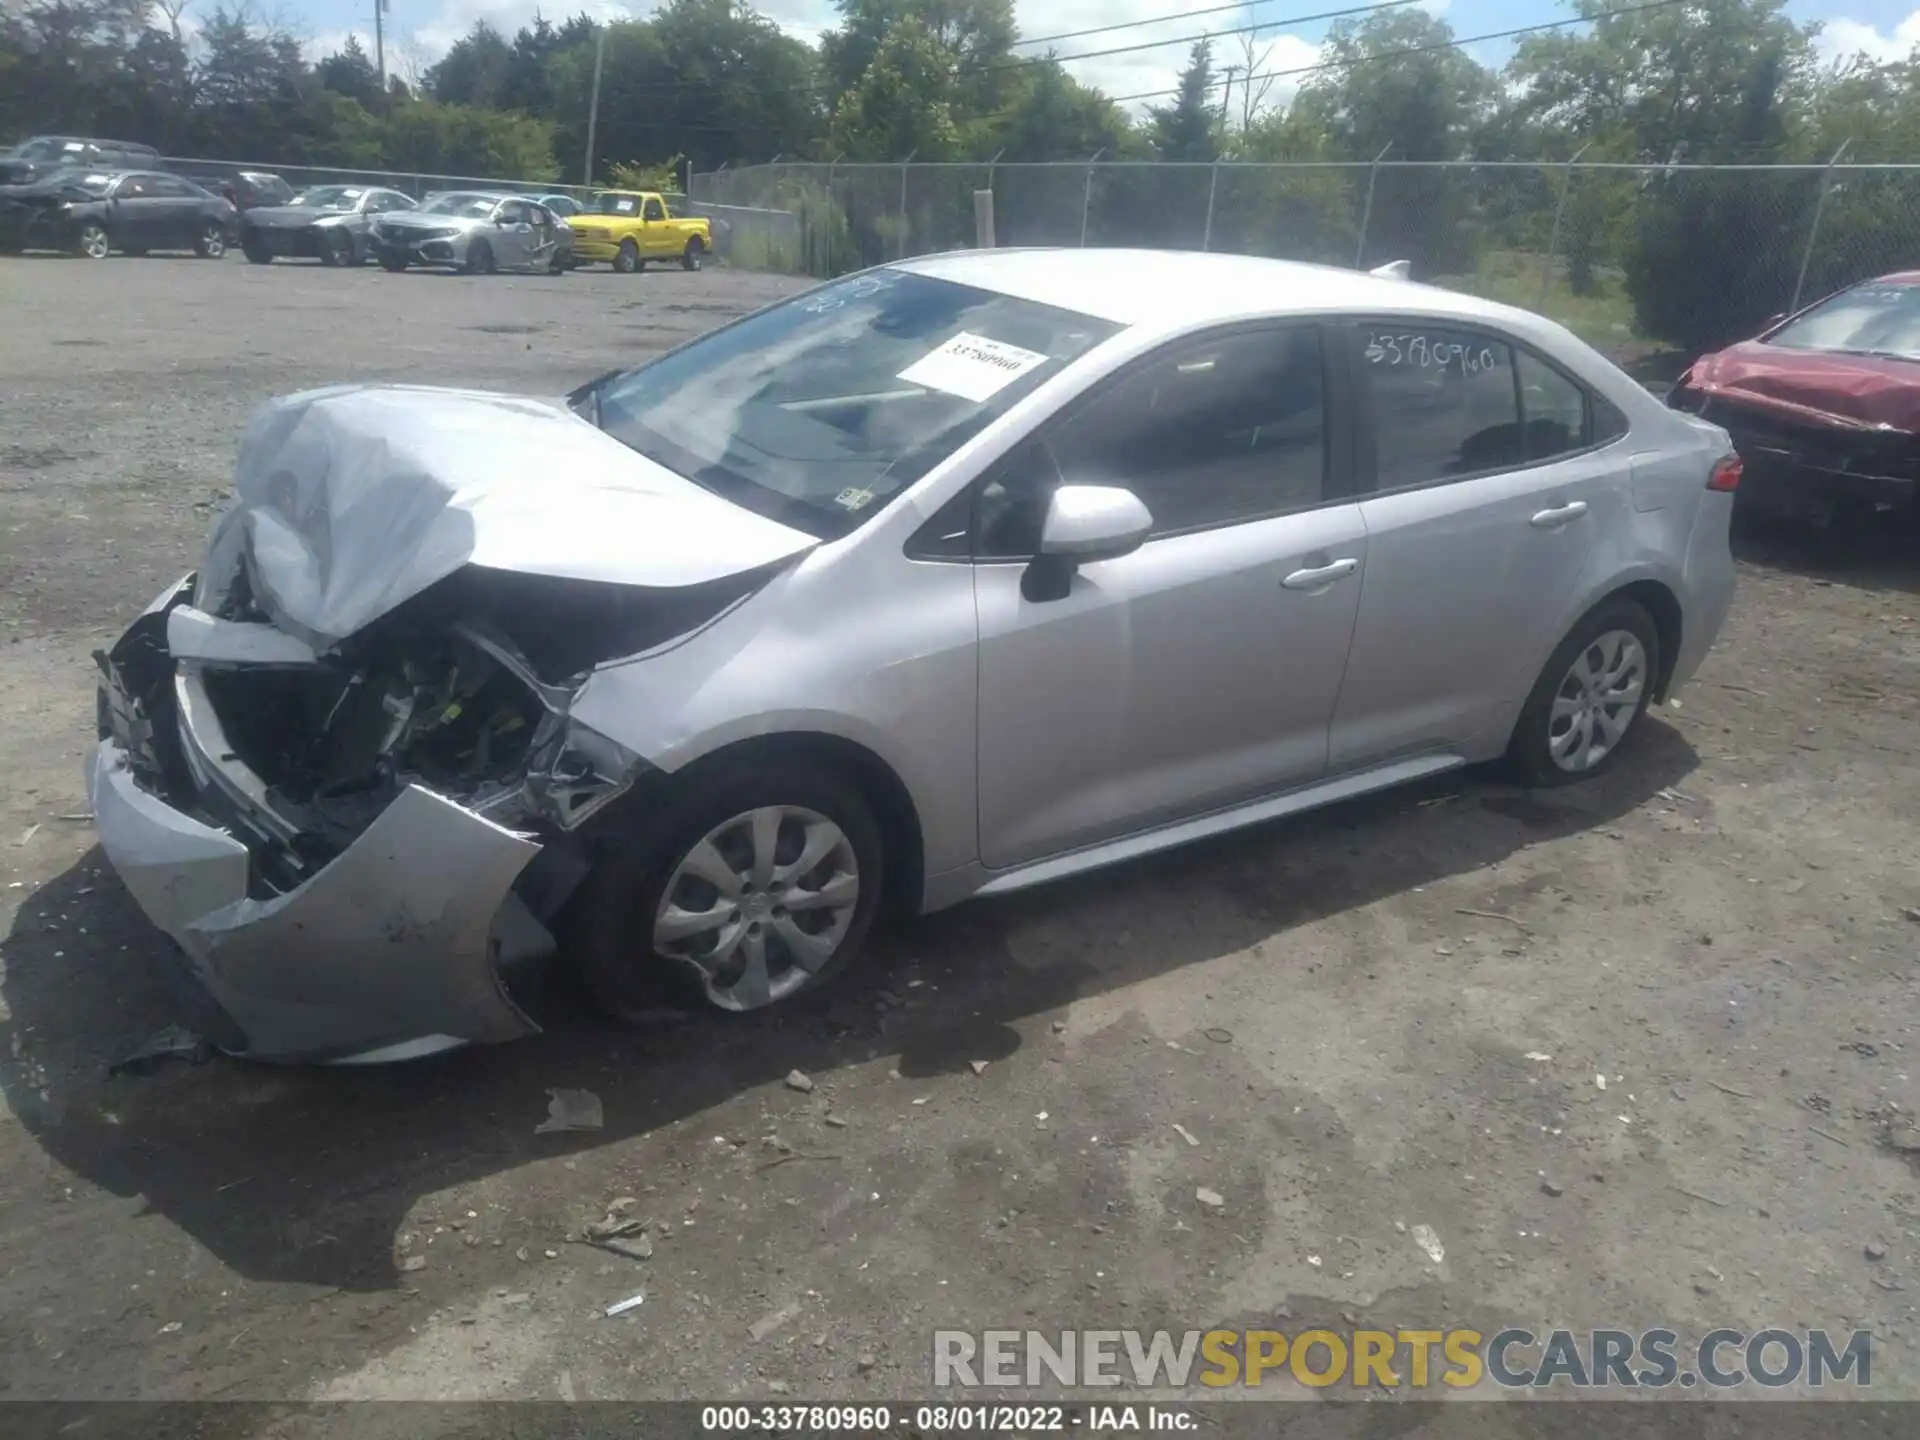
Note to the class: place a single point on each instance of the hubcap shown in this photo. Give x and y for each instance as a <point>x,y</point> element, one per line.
<point>216,244</point>
<point>760,905</point>
<point>1597,701</point>
<point>95,242</point>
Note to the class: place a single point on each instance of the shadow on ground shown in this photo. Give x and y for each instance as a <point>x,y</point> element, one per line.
<point>305,1175</point>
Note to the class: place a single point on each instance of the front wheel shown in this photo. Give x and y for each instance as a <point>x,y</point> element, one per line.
<point>393,260</point>
<point>1593,690</point>
<point>255,249</point>
<point>479,258</point>
<point>695,252</point>
<point>90,241</point>
<point>336,248</point>
<point>749,887</point>
<point>626,259</point>
<point>211,243</point>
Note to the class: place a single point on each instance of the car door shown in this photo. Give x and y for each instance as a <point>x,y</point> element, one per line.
<point>512,235</point>
<point>1491,473</point>
<point>179,210</point>
<point>1203,668</point>
<point>655,240</point>
<point>137,214</point>
<point>544,238</point>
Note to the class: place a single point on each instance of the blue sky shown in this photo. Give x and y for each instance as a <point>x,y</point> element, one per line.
<point>419,31</point>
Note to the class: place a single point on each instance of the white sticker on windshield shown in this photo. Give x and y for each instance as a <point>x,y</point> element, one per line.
<point>853,499</point>
<point>972,367</point>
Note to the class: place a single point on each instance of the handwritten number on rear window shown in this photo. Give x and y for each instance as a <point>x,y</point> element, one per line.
<point>1421,353</point>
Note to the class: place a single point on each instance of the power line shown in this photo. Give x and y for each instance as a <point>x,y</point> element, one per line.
<point>1158,20</point>
<point>1454,44</point>
<point>1028,62</point>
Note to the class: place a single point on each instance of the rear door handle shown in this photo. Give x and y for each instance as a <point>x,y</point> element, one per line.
<point>1560,515</point>
<point>1320,576</point>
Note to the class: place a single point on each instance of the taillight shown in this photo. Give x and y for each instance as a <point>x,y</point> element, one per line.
<point>1726,475</point>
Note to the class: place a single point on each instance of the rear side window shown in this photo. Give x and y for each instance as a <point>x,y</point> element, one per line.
<point>1556,413</point>
<point>1444,403</point>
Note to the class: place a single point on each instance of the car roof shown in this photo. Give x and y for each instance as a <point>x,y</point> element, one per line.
<point>1177,288</point>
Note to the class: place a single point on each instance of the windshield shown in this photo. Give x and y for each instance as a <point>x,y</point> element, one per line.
<point>86,180</point>
<point>44,149</point>
<point>330,197</point>
<point>1877,318</point>
<point>819,411</point>
<point>468,207</point>
<point>609,204</point>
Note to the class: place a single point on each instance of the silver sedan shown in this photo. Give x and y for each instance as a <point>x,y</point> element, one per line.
<point>942,580</point>
<point>475,231</point>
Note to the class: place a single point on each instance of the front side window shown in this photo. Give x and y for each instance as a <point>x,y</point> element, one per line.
<point>818,411</point>
<point>1207,432</point>
<point>132,187</point>
<point>1879,318</point>
<point>171,188</point>
<point>1444,402</point>
<point>655,210</point>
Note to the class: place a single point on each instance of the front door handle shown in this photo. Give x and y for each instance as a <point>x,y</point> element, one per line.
<point>1319,577</point>
<point>1553,519</point>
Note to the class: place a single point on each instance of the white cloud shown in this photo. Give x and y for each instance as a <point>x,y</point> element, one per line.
<point>1159,68</point>
<point>1844,39</point>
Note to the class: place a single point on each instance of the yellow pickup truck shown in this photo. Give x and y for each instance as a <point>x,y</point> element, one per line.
<point>627,228</point>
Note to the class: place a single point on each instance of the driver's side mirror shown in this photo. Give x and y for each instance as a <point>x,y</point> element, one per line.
<point>1084,523</point>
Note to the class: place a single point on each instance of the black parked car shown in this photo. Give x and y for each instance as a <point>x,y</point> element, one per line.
<point>38,158</point>
<point>247,188</point>
<point>94,212</point>
<point>328,223</point>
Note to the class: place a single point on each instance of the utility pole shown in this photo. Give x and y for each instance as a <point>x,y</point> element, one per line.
<point>593,106</point>
<point>380,48</point>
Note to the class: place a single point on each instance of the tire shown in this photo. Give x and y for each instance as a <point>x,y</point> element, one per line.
<point>622,960</point>
<point>1546,749</point>
<point>211,243</point>
<point>91,241</point>
<point>336,248</point>
<point>391,260</point>
<point>255,249</point>
<point>696,251</point>
<point>479,259</point>
<point>626,260</point>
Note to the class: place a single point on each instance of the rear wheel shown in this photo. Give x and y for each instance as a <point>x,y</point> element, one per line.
<point>1587,700</point>
<point>211,243</point>
<point>745,889</point>
<point>90,241</point>
<point>696,251</point>
<point>479,258</point>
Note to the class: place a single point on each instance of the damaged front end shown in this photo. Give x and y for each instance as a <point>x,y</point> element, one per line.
<point>340,766</point>
<point>362,852</point>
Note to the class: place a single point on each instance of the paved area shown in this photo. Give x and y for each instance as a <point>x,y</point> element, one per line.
<point>1389,1015</point>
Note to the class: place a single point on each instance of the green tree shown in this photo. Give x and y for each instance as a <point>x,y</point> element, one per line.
<point>474,69</point>
<point>902,104</point>
<point>349,72</point>
<point>1189,128</point>
<point>1055,117</point>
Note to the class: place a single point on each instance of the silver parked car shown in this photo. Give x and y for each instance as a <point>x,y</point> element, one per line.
<point>940,580</point>
<point>475,231</point>
<point>329,223</point>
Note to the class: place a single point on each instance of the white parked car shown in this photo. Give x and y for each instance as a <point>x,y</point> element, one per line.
<point>940,580</point>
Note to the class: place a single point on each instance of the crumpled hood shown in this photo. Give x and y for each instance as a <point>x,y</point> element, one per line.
<point>1852,391</point>
<point>354,498</point>
<point>291,217</point>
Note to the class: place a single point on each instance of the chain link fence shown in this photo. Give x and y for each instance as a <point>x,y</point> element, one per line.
<point>1629,256</point>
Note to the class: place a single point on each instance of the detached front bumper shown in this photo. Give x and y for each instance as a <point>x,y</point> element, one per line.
<point>394,947</point>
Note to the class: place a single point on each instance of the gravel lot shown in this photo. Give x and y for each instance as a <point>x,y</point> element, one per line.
<point>1722,928</point>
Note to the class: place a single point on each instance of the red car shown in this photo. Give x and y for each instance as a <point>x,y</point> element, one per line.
<point>1824,407</point>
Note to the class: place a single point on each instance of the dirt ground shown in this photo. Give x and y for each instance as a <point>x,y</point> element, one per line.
<point>1723,928</point>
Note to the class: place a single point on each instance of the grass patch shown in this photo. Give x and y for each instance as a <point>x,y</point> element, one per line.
<point>1603,318</point>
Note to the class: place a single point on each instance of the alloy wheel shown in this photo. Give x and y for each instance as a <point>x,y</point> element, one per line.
<point>213,243</point>
<point>760,904</point>
<point>94,243</point>
<point>1597,701</point>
